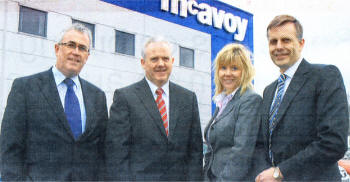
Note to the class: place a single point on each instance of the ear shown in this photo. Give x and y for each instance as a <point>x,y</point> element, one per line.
<point>57,48</point>
<point>172,60</point>
<point>302,42</point>
<point>143,62</point>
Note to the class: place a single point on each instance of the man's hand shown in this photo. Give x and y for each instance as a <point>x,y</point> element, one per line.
<point>267,176</point>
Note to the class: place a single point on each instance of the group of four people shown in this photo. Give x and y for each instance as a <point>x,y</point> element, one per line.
<point>56,126</point>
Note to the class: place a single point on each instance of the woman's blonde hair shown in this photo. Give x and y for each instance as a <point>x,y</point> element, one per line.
<point>239,55</point>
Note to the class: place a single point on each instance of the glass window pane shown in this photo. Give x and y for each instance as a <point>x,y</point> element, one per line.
<point>124,43</point>
<point>186,57</point>
<point>90,26</point>
<point>32,21</point>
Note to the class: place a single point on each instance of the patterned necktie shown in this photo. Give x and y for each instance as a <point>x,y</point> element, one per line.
<point>72,109</point>
<point>162,109</point>
<point>274,109</point>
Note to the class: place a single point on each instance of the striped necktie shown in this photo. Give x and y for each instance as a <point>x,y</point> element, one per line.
<point>274,109</point>
<point>162,109</point>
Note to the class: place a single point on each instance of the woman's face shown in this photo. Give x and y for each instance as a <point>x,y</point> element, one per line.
<point>230,77</point>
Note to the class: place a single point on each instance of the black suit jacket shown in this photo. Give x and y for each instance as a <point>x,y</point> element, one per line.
<point>36,140</point>
<point>312,125</point>
<point>137,147</point>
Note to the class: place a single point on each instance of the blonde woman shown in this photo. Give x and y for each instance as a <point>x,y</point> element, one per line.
<point>231,134</point>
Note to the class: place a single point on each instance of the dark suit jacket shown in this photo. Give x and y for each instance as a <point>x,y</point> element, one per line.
<point>36,140</point>
<point>137,147</point>
<point>312,125</point>
<point>231,139</point>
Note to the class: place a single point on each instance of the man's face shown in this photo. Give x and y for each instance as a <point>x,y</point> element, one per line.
<point>284,46</point>
<point>157,63</point>
<point>72,52</point>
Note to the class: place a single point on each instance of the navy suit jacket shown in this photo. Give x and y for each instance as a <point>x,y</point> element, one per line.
<point>312,125</point>
<point>36,140</point>
<point>137,148</point>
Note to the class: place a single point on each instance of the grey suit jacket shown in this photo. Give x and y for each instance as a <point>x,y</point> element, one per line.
<point>137,147</point>
<point>231,138</point>
<point>312,124</point>
<point>36,140</point>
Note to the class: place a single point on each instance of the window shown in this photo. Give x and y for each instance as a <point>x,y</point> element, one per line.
<point>124,43</point>
<point>32,21</point>
<point>186,57</point>
<point>90,26</point>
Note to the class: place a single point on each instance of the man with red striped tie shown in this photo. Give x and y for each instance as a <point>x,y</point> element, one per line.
<point>154,133</point>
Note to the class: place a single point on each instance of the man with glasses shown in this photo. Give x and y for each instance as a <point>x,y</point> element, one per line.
<point>54,122</point>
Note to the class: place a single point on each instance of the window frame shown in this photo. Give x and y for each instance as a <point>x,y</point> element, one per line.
<point>20,21</point>
<point>116,41</point>
<point>180,58</point>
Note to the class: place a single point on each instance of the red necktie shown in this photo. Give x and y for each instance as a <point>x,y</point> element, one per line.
<point>162,109</point>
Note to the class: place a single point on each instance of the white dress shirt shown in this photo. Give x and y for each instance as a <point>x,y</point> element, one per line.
<point>62,89</point>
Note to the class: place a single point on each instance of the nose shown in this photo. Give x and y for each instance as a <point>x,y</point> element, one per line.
<point>279,45</point>
<point>76,50</point>
<point>228,71</point>
<point>161,62</point>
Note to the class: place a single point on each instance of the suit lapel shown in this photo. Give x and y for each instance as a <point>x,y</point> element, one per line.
<point>211,121</point>
<point>89,98</point>
<point>295,85</point>
<point>143,91</point>
<point>174,104</point>
<point>267,101</point>
<point>49,89</point>
<point>230,105</point>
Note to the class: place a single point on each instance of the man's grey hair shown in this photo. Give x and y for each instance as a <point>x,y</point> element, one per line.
<point>77,27</point>
<point>153,40</point>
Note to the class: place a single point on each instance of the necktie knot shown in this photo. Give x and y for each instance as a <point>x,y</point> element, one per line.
<point>282,78</point>
<point>159,91</point>
<point>69,82</point>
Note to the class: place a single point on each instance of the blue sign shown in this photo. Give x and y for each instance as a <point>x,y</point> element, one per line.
<point>225,23</point>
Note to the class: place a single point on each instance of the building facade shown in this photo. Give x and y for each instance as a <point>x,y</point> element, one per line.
<point>196,29</point>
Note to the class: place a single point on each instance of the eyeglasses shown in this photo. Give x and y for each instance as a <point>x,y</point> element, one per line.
<point>73,45</point>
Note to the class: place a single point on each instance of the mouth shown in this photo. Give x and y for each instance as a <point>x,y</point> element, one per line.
<point>280,56</point>
<point>160,71</point>
<point>73,60</point>
<point>228,81</point>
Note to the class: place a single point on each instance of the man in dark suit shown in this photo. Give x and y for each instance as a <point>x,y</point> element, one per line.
<point>154,133</point>
<point>304,113</point>
<point>54,123</point>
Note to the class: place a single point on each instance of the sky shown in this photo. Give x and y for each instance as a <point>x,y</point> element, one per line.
<point>326,25</point>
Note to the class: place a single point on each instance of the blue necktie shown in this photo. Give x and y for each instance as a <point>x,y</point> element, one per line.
<point>274,109</point>
<point>72,109</point>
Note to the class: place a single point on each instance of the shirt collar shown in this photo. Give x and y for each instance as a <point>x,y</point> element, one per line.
<point>291,70</point>
<point>222,95</point>
<point>59,77</point>
<point>153,87</point>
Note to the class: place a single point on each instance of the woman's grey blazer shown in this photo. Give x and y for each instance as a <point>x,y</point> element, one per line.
<point>231,138</point>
